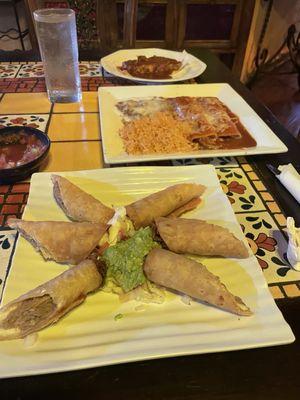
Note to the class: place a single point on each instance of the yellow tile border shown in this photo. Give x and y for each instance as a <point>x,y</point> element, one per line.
<point>276,292</point>
<point>259,186</point>
<point>281,219</point>
<point>241,159</point>
<point>273,207</point>
<point>267,196</point>
<point>252,176</point>
<point>247,167</point>
<point>291,290</point>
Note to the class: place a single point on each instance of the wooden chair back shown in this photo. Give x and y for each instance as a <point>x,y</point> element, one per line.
<point>112,24</point>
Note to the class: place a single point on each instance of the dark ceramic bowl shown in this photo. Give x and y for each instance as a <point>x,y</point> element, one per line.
<point>15,174</point>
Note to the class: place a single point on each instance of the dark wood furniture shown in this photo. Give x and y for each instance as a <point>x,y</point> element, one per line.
<point>261,374</point>
<point>220,25</point>
<point>11,33</point>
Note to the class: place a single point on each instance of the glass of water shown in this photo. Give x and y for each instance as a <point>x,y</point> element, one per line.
<point>57,37</point>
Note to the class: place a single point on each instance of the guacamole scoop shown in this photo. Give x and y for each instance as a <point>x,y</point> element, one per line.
<point>125,259</point>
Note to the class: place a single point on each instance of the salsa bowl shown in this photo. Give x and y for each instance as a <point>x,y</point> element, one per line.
<point>22,150</point>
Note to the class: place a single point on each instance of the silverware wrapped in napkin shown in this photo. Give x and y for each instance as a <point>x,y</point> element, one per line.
<point>290,179</point>
<point>293,251</point>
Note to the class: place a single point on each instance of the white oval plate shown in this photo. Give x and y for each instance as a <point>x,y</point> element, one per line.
<point>192,66</point>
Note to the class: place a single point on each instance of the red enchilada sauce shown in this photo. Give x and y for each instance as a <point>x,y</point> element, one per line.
<point>213,124</point>
<point>246,140</point>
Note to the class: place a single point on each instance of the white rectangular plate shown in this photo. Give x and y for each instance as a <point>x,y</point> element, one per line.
<point>89,336</point>
<point>111,121</point>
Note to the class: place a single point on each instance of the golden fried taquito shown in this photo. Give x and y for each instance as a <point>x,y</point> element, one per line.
<point>65,242</point>
<point>194,236</point>
<point>47,303</point>
<point>187,276</point>
<point>77,204</point>
<point>143,212</point>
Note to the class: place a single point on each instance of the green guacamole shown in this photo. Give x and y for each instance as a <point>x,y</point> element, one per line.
<point>125,260</point>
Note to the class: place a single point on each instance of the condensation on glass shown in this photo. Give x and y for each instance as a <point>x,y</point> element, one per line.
<point>57,37</point>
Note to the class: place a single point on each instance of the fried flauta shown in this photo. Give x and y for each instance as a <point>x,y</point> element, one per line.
<point>143,212</point>
<point>179,273</point>
<point>194,236</point>
<point>65,242</point>
<point>47,303</point>
<point>77,204</point>
<point>191,205</point>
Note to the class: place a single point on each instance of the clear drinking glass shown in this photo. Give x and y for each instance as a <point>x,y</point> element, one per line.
<point>57,37</point>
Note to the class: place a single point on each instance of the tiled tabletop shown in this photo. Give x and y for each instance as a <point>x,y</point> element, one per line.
<point>74,130</point>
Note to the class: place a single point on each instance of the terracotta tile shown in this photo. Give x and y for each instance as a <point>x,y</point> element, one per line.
<point>8,209</point>
<point>276,292</point>
<point>4,188</point>
<point>74,156</point>
<point>1,199</point>
<point>292,290</point>
<point>89,103</point>
<point>15,198</point>
<point>14,103</point>
<point>74,127</point>
<point>20,188</point>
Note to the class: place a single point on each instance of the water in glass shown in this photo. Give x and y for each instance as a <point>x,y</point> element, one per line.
<point>56,31</point>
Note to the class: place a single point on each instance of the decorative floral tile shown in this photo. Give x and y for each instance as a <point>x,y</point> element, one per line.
<point>216,161</point>
<point>269,245</point>
<point>35,70</point>
<point>7,242</point>
<point>8,70</point>
<point>239,191</point>
<point>34,121</point>
<point>31,70</point>
<point>90,69</point>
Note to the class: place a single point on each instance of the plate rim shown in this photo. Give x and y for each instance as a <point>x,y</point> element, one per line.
<point>71,365</point>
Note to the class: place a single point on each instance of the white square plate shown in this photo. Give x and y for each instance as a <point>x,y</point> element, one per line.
<point>191,68</point>
<point>111,121</point>
<point>89,336</point>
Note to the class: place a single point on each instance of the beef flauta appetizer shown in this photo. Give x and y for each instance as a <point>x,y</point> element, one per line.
<point>134,260</point>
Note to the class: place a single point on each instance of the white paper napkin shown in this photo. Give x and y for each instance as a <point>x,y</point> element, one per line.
<point>290,179</point>
<point>293,252</point>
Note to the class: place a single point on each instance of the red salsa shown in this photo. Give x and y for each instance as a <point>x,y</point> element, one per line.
<point>18,149</point>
